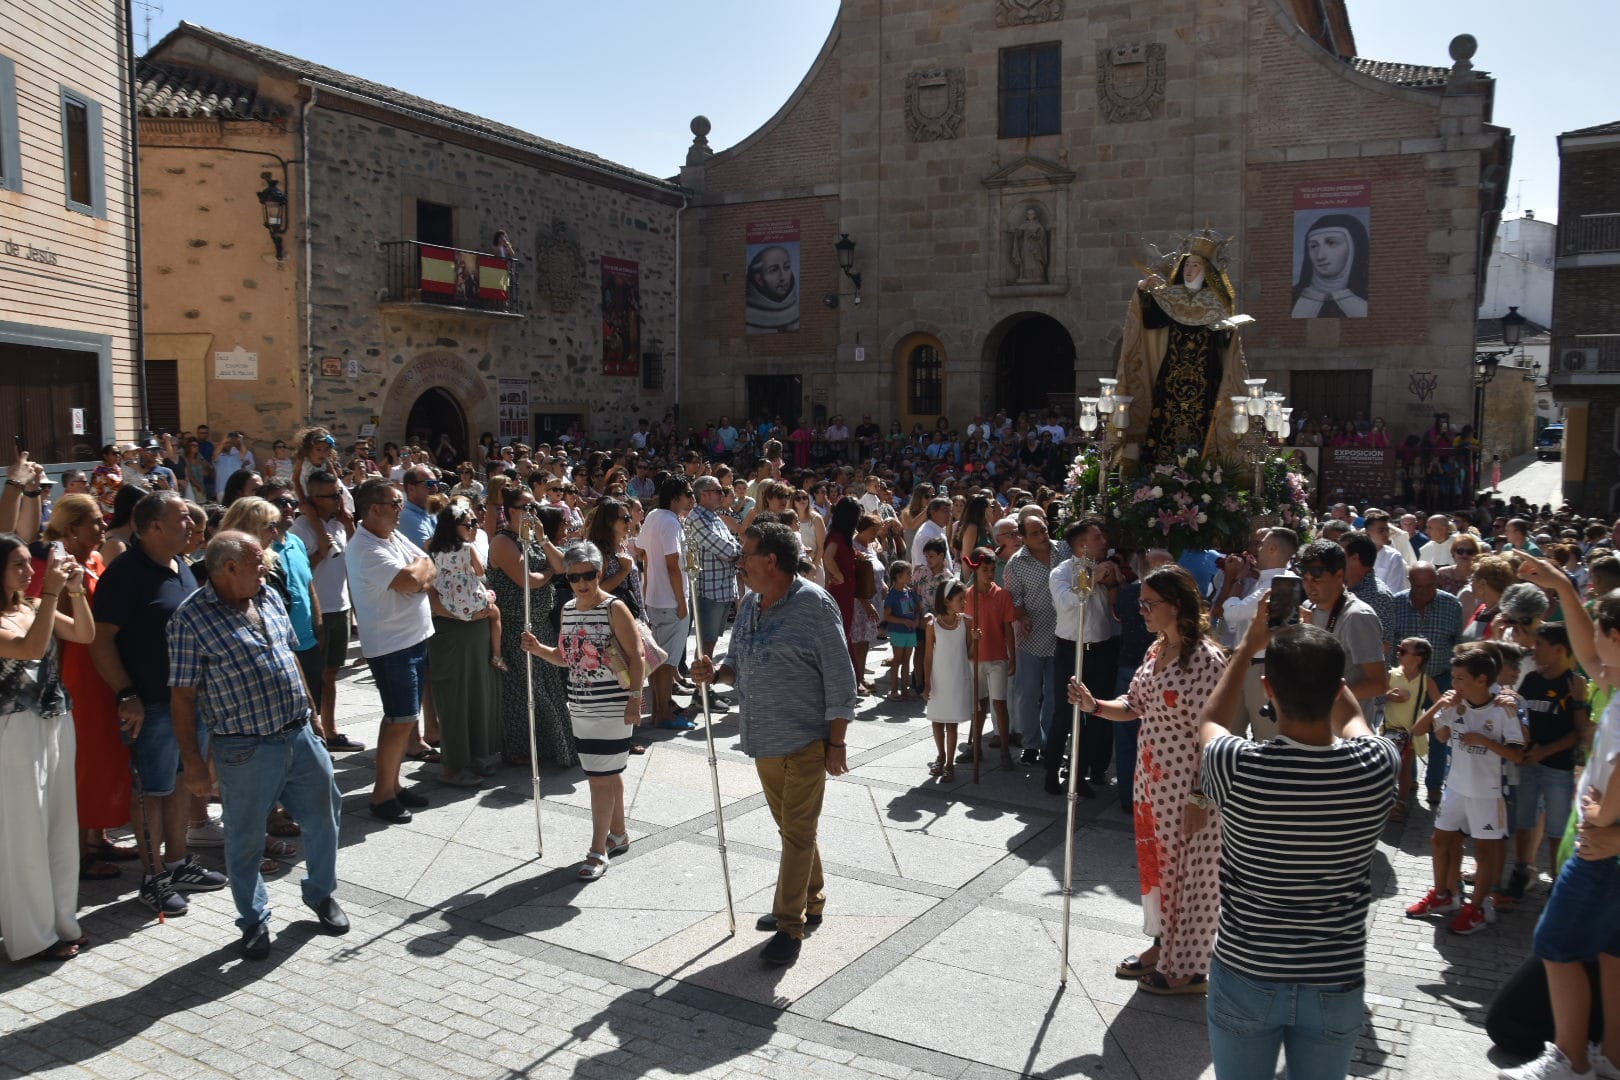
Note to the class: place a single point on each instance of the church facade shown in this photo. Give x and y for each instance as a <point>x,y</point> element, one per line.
<point>951,212</point>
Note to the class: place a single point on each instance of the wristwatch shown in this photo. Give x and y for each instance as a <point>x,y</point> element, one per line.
<point>127,693</point>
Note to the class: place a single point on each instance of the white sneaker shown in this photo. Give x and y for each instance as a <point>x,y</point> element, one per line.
<point>1551,1065</point>
<point>209,835</point>
<point>1602,1067</point>
<point>1488,906</point>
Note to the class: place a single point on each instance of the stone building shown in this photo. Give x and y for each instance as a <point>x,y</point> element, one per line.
<point>999,167</point>
<point>384,306</point>
<point>1585,363</point>
<point>69,302</point>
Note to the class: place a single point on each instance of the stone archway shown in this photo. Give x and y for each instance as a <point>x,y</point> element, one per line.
<point>1032,356</point>
<point>437,413</point>
<point>445,381</point>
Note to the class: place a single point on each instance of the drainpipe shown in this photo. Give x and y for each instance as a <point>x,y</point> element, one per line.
<point>306,271</point>
<point>686,203</point>
<point>132,209</point>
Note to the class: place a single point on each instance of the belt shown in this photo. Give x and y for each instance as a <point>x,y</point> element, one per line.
<point>1104,643</point>
<point>294,726</point>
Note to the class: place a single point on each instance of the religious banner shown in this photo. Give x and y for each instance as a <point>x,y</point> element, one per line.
<point>621,317</point>
<point>1356,474</point>
<point>514,410</point>
<point>772,288</point>
<point>1332,256</point>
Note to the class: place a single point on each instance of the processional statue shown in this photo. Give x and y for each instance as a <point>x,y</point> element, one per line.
<point>1182,354</point>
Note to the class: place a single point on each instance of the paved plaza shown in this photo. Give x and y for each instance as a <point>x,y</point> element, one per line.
<point>939,956</point>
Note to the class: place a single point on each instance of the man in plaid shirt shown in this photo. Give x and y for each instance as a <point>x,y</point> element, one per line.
<point>713,538</point>
<point>231,666</point>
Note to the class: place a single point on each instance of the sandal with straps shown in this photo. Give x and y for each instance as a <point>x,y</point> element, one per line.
<point>618,843</point>
<point>594,866</point>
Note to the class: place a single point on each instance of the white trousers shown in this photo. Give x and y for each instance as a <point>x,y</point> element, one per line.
<point>39,833</point>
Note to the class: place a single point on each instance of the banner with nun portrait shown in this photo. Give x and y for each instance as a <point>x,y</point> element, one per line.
<point>1332,231</point>
<point>772,278</point>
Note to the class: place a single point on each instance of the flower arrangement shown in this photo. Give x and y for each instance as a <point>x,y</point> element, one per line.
<point>1193,503</point>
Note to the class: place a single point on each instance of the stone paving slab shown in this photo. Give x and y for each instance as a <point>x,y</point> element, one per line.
<point>470,956</point>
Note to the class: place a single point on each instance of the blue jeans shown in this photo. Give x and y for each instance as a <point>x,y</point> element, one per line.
<point>1034,698</point>
<point>1315,1026</point>
<point>256,772</point>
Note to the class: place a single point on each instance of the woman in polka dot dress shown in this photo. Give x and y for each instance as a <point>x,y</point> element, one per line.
<point>1178,841</point>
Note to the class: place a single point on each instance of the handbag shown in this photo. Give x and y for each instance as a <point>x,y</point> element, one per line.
<point>652,656</point>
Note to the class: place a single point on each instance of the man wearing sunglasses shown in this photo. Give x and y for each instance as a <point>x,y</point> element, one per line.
<point>414,520</point>
<point>1346,617</point>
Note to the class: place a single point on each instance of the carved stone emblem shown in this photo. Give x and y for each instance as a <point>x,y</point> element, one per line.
<point>1130,81</point>
<point>559,266</point>
<point>1025,12</point>
<point>935,102</point>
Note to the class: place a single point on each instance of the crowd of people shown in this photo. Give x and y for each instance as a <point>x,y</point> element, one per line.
<point>1480,644</point>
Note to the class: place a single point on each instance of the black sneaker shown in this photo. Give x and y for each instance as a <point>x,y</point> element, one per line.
<point>193,876</point>
<point>1030,756</point>
<point>782,950</point>
<point>1518,881</point>
<point>410,798</point>
<point>768,922</point>
<point>391,811</point>
<point>157,894</point>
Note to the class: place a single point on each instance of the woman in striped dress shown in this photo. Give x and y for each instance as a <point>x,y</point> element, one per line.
<point>598,636</point>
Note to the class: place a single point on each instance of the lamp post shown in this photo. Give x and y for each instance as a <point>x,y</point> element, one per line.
<point>845,247</point>
<point>1268,412</point>
<point>1106,415</point>
<point>273,202</point>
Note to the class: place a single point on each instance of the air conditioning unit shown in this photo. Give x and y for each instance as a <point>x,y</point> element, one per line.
<point>1579,359</point>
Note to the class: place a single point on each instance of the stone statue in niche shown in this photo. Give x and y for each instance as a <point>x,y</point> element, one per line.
<point>1025,12</point>
<point>1030,256</point>
<point>560,266</point>
<point>935,103</point>
<point>1130,81</point>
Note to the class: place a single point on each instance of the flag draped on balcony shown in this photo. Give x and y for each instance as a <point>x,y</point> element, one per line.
<point>494,278</point>
<point>438,270</point>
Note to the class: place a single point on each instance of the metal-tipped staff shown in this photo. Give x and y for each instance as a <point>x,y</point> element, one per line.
<point>525,547</point>
<point>1083,568</point>
<point>708,740</point>
<point>975,731</point>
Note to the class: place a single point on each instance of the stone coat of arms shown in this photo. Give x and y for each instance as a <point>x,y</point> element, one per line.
<point>559,265</point>
<point>935,103</point>
<point>1025,12</point>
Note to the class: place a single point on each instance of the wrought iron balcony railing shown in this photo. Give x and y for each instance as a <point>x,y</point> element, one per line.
<point>1590,234</point>
<point>418,273</point>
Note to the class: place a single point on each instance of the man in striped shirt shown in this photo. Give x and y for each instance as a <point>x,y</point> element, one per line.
<point>1300,819</point>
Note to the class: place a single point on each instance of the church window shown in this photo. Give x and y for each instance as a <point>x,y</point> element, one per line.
<point>1031,83</point>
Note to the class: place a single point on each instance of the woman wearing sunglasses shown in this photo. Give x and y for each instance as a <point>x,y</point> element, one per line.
<point>601,648</point>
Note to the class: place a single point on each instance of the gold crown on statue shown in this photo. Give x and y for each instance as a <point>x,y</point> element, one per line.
<point>1207,244</point>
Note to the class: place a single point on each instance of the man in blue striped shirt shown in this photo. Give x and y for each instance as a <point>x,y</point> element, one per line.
<point>791,666</point>
<point>232,666</point>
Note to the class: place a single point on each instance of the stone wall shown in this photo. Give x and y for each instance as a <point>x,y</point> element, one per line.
<point>212,282</point>
<point>1173,115</point>
<point>368,172</point>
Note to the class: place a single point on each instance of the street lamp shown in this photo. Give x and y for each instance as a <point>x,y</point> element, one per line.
<point>273,201</point>
<point>845,247</point>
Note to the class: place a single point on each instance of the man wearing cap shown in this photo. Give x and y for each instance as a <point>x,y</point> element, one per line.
<point>150,470</point>
<point>233,454</point>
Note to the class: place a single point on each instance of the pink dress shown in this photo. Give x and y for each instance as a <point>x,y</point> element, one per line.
<point>1180,874</point>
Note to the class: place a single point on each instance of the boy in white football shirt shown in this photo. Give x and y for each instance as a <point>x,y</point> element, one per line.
<point>1482,733</point>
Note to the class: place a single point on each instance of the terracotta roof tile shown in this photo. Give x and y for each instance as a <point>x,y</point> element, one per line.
<point>173,91</point>
<point>1419,76</point>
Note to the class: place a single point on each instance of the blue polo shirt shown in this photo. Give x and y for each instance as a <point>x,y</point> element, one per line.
<point>417,524</point>
<point>300,577</point>
<point>138,596</point>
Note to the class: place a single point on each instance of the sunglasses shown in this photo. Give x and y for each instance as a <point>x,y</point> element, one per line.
<point>286,504</point>
<point>579,576</point>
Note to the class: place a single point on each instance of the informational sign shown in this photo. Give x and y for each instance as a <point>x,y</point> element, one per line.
<point>238,364</point>
<point>1357,474</point>
<point>78,420</point>
<point>771,289</point>
<point>514,418</point>
<point>352,369</point>
<point>332,367</point>
<point>368,431</point>
<point>860,354</point>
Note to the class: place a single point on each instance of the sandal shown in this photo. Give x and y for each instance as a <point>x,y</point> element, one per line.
<point>618,843</point>
<point>62,950</point>
<point>936,767</point>
<point>282,824</point>
<point>1132,968</point>
<point>594,866</point>
<point>430,756</point>
<point>1156,983</point>
<point>269,867</point>
<point>638,748</point>
<point>950,772</point>
<point>279,849</point>
<point>498,663</point>
<point>92,868</point>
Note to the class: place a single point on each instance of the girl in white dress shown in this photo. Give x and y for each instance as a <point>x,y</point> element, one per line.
<point>947,682</point>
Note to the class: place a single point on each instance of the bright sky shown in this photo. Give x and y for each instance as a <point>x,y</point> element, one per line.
<point>624,79</point>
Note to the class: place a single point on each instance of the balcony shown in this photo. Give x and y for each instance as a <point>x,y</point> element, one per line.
<point>1586,360</point>
<point>454,279</point>
<point>1589,240</point>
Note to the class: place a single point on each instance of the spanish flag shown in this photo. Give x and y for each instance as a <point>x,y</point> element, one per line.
<point>438,270</point>
<point>494,278</point>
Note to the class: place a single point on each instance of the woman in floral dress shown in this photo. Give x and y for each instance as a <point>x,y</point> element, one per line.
<point>1178,842</point>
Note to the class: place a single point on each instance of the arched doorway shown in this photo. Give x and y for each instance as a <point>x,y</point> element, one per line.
<point>1034,363</point>
<point>437,413</point>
